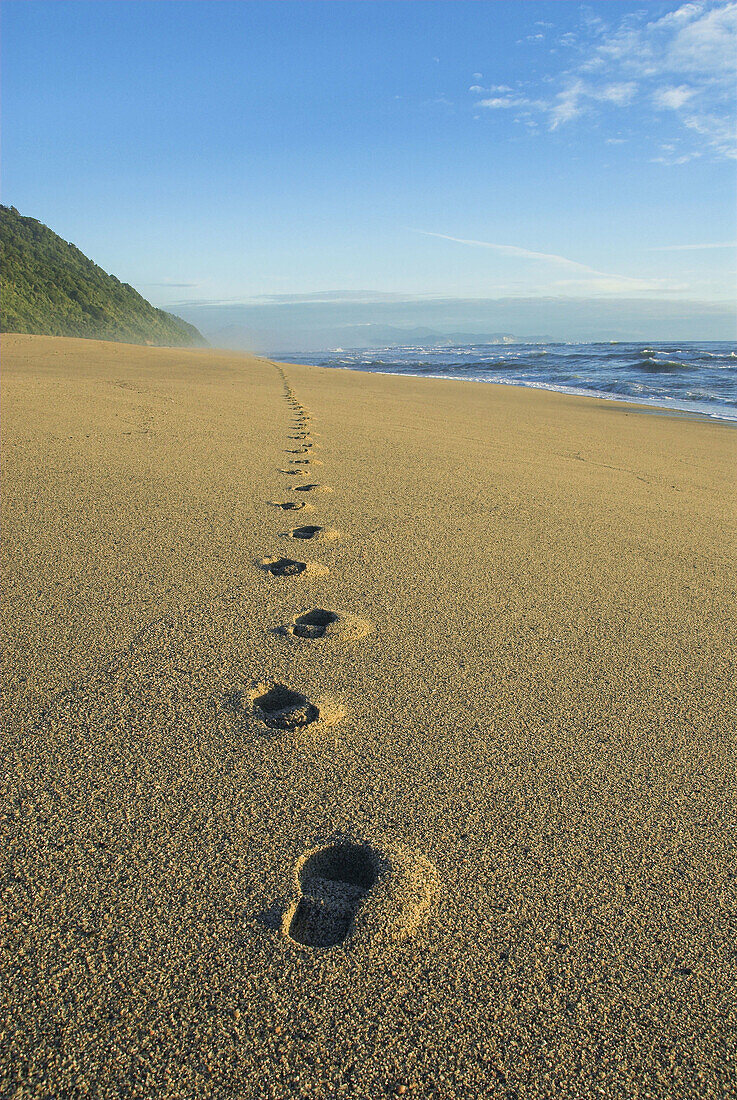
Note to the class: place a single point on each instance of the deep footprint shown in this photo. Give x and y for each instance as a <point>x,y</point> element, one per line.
<point>324,625</point>
<point>306,532</point>
<point>314,623</point>
<point>285,567</point>
<point>289,505</point>
<point>283,709</point>
<point>333,883</point>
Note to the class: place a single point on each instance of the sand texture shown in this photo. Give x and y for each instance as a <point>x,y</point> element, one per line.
<point>427,788</point>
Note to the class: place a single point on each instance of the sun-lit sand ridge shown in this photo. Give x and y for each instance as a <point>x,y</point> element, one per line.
<point>435,797</point>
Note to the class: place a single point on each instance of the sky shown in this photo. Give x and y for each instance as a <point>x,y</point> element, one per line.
<point>292,172</point>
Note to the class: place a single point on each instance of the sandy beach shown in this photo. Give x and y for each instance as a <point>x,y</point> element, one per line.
<point>367,735</point>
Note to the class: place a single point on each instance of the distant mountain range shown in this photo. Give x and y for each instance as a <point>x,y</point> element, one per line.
<point>364,336</point>
<point>391,336</point>
<point>50,288</point>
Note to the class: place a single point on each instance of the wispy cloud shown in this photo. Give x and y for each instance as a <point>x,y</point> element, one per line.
<point>319,297</point>
<point>672,98</point>
<point>508,250</point>
<point>504,103</point>
<point>692,247</point>
<point>173,285</point>
<point>682,64</point>
<point>602,281</point>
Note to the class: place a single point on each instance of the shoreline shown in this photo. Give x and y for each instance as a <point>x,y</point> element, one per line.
<point>676,406</point>
<point>636,406</point>
<point>515,723</point>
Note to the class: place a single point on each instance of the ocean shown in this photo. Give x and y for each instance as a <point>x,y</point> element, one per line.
<point>688,377</point>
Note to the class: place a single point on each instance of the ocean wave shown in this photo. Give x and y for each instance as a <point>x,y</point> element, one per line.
<point>693,377</point>
<point>661,366</point>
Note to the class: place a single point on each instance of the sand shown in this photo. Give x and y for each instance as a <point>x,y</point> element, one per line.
<point>468,832</point>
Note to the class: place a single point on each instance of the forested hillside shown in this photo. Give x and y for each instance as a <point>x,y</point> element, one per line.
<point>51,288</point>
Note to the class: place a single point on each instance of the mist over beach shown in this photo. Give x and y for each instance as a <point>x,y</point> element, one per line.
<point>368,575</point>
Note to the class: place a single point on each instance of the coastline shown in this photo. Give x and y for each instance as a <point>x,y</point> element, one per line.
<point>582,370</point>
<point>644,406</point>
<point>531,697</point>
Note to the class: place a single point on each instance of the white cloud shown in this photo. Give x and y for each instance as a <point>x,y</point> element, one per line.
<point>567,105</point>
<point>585,277</point>
<point>684,159</point>
<point>510,101</point>
<point>169,283</point>
<point>706,43</point>
<point>621,94</point>
<point>692,247</point>
<point>673,98</point>
<point>640,60</point>
<point>493,89</point>
<point>718,131</point>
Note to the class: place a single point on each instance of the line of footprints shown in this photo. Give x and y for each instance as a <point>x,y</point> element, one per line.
<point>350,890</point>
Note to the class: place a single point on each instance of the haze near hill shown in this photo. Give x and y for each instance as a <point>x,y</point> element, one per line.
<point>243,338</point>
<point>50,288</point>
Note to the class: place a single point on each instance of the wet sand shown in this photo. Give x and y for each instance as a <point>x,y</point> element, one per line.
<point>424,788</point>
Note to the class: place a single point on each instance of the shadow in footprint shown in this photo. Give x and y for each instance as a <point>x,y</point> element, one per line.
<point>283,709</point>
<point>323,625</point>
<point>333,882</point>
<point>285,567</point>
<point>314,623</point>
<point>289,505</point>
<point>308,532</point>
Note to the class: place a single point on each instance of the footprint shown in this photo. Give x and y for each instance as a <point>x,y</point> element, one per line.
<point>288,567</point>
<point>284,567</point>
<point>291,473</point>
<point>333,883</point>
<point>360,894</point>
<point>325,625</point>
<point>281,708</point>
<point>292,505</point>
<point>313,487</point>
<point>310,532</point>
<point>306,532</point>
<point>313,624</point>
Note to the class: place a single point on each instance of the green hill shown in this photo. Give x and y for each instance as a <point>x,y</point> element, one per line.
<point>50,288</point>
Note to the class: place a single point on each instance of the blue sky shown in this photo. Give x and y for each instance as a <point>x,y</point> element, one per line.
<point>244,161</point>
